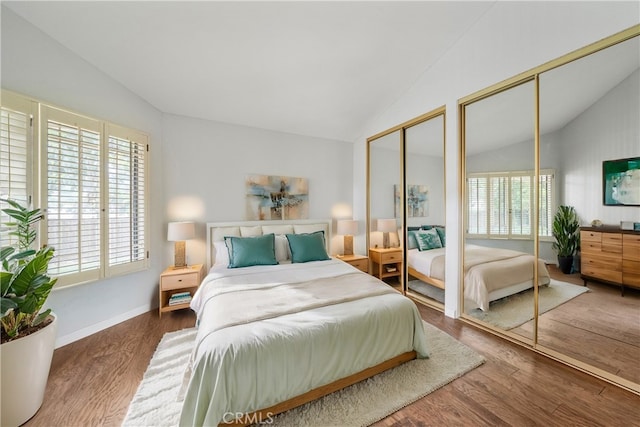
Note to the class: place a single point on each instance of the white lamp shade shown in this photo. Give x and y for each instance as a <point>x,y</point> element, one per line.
<point>179,231</point>
<point>386,225</point>
<point>347,227</point>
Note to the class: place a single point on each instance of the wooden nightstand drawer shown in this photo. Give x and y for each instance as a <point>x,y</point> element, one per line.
<point>390,257</point>
<point>361,264</point>
<point>186,280</point>
<point>358,261</point>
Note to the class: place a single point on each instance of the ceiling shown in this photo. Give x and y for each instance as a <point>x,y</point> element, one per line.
<point>321,69</point>
<point>565,92</point>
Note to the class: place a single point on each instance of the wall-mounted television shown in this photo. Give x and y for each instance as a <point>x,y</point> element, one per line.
<point>621,182</point>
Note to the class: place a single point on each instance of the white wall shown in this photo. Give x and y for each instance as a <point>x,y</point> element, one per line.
<point>510,38</point>
<point>428,170</point>
<point>607,130</point>
<point>205,164</point>
<point>35,65</point>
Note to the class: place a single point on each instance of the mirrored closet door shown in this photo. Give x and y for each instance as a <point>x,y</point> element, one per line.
<point>406,187</point>
<point>425,208</point>
<point>530,145</point>
<point>384,210</point>
<point>499,244</point>
<point>589,113</point>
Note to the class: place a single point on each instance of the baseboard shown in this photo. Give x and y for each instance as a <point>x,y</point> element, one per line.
<point>90,330</point>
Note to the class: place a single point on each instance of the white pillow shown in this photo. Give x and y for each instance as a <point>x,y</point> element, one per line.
<point>222,254</point>
<point>220,233</point>
<point>282,248</point>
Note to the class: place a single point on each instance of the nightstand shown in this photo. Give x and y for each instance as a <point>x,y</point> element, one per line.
<point>173,281</point>
<point>360,262</point>
<point>386,263</point>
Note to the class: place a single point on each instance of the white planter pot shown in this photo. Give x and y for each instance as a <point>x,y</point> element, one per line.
<point>25,366</point>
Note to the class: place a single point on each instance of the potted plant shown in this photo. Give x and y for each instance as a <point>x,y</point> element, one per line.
<point>28,336</point>
<point>566,232</point>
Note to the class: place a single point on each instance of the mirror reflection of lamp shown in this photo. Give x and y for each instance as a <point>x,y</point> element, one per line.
<point>347,228</point>
<point>386,226</point>
<point>179,232</point>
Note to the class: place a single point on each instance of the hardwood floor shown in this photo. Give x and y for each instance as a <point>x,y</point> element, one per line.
<point>93,380</point>
<point>600,327</point>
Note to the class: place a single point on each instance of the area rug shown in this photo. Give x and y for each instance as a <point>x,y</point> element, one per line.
<point>515,310</point>
<point>361,404</point>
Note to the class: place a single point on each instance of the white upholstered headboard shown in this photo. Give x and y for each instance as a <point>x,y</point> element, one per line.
<point>216,231</point>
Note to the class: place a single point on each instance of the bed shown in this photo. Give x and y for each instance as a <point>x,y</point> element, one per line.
<point>489,273</point>
<point>274,336</point>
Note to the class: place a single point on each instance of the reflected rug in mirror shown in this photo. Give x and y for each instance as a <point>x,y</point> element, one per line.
<point>361,404</point>
<point>515,310</point>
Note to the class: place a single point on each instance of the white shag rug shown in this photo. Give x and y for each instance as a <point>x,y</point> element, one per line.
<point>515,310</point>
<point>361,404</point>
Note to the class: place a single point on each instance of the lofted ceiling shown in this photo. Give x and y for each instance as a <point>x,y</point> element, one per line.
<point>321,69</point>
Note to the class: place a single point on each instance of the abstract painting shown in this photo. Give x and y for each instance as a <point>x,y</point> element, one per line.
<point>417,201</point>
<point>271,197</point>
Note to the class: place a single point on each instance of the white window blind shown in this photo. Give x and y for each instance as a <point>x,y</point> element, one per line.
<point>72,194</point>
<point>16,118</point>
<point>477,214</point>
<point>94,192</point>
<point>499,204</point>
<point>126,198</point>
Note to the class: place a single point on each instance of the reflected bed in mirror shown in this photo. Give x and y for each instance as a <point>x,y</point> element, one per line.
<point>425,208</point>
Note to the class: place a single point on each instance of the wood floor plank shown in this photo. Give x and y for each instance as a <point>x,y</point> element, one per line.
<point>93,380</point>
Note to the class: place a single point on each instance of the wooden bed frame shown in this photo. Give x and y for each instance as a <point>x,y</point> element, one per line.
<point>265,414</point>
<point>430,280</point>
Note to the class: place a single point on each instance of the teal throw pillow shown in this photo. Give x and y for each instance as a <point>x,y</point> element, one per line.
<point>411,239</point>
<point>428,239</point>
<point>249,251</point>
<point>441,234</point>
<point>307,247</point>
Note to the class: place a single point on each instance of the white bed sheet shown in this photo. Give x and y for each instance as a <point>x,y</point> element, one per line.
<point>247,367</point>
<point>421,260</point>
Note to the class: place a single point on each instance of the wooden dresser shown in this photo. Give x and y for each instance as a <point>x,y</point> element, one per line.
<point>610,255</point>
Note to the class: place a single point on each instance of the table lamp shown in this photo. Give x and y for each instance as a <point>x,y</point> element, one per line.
<point>347,227</point>
<point>386,226</point>
<point>179,232</point>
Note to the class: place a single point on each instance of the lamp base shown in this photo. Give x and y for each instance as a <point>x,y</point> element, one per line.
<point>348,244</point>
<point>180,257</point>
<point>385,240</point>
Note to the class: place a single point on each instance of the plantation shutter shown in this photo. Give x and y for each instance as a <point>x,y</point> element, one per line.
<point>15,149</point>
<point>477,205</point>
<point>126,200</point>
<point>71,144</point>
<point>546,203</point>
<point>498,206</point>
<point>521,193</point>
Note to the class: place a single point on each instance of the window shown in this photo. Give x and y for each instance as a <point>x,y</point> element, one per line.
<point>92,188</point>
<point>16,119</point>
<point>499,204</point>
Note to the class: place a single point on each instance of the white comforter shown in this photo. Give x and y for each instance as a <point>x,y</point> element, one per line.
<point>243,367</point>
<point>485,270</point>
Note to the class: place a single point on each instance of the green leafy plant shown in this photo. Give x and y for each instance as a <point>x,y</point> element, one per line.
<point>24,282</point>
<point>566,231</point>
